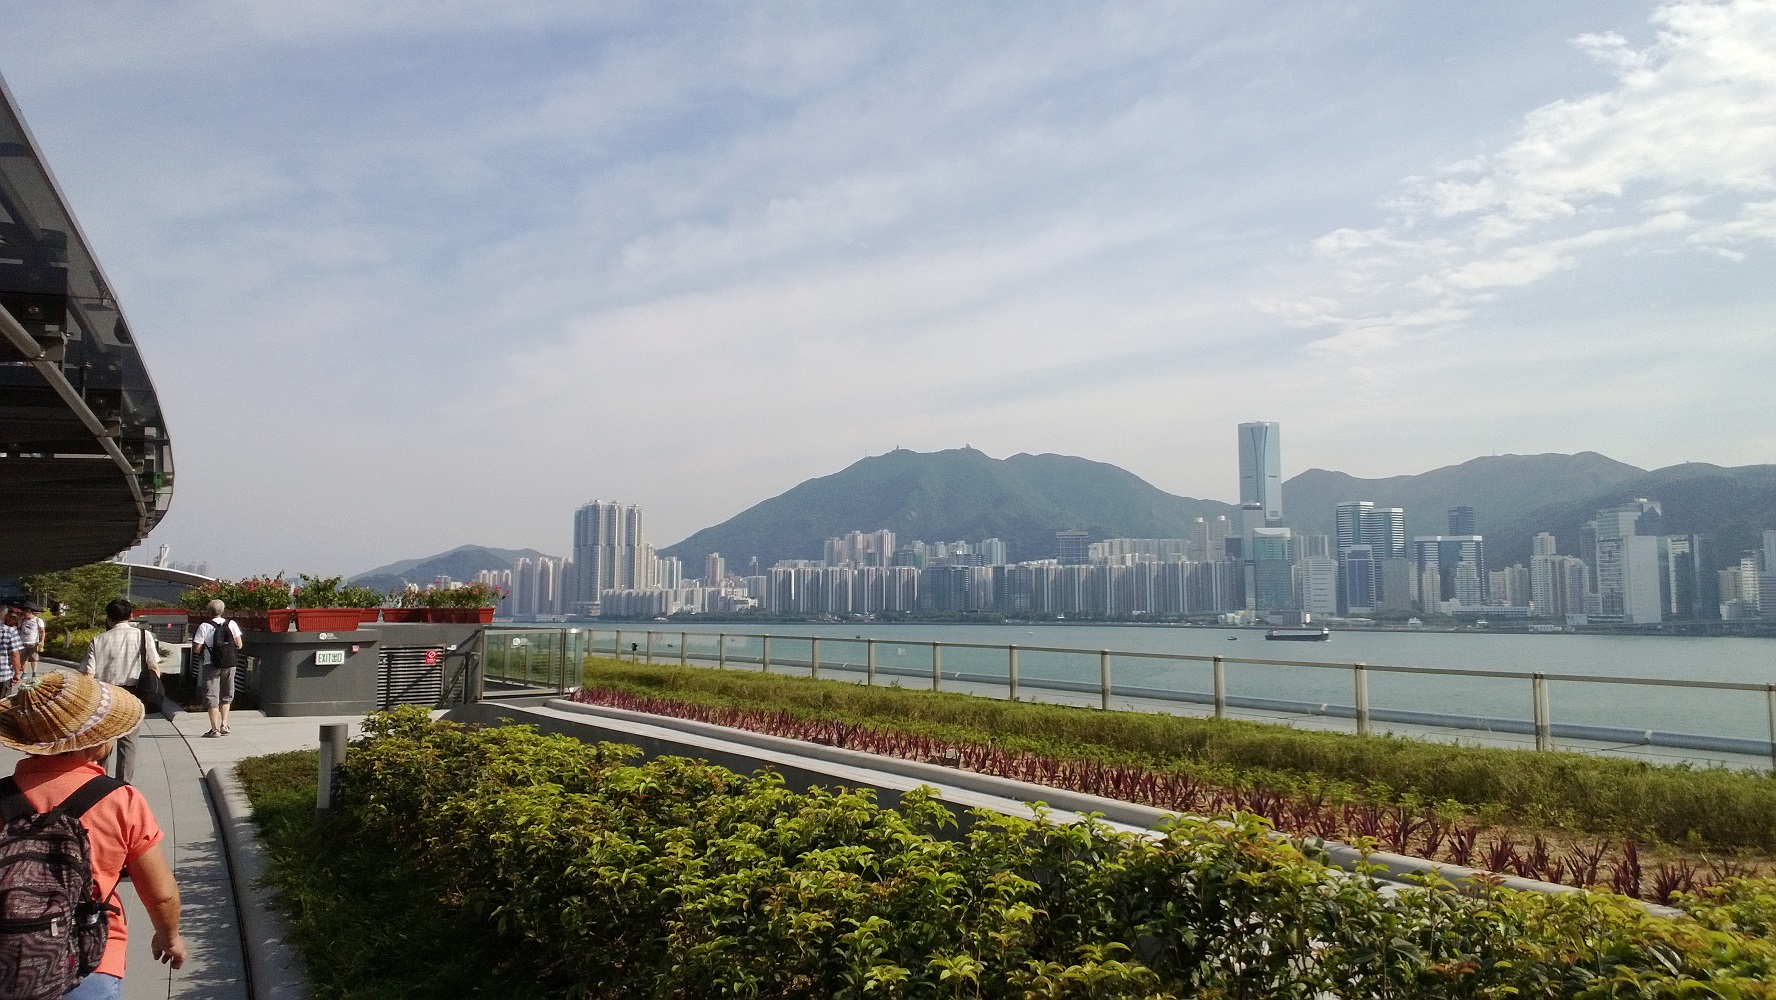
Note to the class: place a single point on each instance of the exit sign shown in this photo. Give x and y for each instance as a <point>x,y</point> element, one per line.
<point>329,657</point>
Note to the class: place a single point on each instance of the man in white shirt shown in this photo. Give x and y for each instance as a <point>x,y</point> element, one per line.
<point>32,633</point>
<point>118,656</point>
<point>215,648</point>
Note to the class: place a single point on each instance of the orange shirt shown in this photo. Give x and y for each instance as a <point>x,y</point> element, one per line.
<point>118,829</point>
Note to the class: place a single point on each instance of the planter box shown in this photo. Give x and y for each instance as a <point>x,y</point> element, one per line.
<point>406,615</point>
<point>327,619</point>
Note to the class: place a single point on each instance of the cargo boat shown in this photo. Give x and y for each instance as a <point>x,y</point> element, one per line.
<point>1299,634</point>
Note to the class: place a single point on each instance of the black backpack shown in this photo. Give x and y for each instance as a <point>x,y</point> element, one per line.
<point>223,655</point>
<point>53,926</point>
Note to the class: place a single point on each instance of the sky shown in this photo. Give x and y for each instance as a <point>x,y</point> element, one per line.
<point>412,275</point>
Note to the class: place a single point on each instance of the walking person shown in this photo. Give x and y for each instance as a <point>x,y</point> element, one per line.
<point>216,646</point>
<point>120,655</point>
<point>33,632</point>
<point>12,652</point>
<point>67,724</point>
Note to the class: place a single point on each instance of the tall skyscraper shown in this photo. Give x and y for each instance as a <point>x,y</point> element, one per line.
<point>1384,530</point>
<point>1450,568</point>
<point>1358,585</point>
<point>1462,521</point>
<point>1544,545</point>
<point>715,569</point>
<point>1347,523</point>
<point>1689,580</point>
<point>1628,577</point>
<point>1261,469</point>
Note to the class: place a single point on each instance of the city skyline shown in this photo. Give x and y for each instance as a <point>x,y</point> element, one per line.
<point>485,238</point>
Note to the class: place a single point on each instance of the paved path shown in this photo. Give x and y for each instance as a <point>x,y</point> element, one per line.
<point>173,759</point>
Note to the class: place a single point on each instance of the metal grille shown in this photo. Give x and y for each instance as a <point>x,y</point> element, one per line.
<point>410,675</point>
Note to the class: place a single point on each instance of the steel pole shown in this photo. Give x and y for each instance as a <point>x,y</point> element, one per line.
<point>650,645</point>
<point>721,650</point>
<point>683,650</point>
<point>936,667</point>
<point>1770,693</point>
<point>814,658</point>
<point>1544,727</point>
<point>1011,672</point>
<point>1104,679</point>
<point>764,654</point>
<point>1361,672</point>
<point>1220,688</point>
<point>869,655</point>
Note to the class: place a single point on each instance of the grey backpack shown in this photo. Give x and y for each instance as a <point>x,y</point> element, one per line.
<point>53,926</point>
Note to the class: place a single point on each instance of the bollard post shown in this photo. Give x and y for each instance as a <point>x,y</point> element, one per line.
<point>721,650</point>
<point>764,654</point>
<point>332,757</point>
<point>1544,727</point>
<point>1011,672</point>
<point>814,658</point>
<point>683,649</point>
<point>1770,690</point>
<point>869,656</point>
<point>1220,688</point>
<point>1361,672</point>
<point>936,667</point>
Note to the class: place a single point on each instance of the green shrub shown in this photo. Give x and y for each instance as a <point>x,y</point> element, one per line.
<point>678,879</point>
<point>1700,807</point>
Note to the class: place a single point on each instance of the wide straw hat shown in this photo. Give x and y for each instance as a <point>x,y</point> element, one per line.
<point>63,712</point>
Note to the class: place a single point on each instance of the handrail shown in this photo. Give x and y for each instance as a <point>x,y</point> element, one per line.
<point>1541,726</point>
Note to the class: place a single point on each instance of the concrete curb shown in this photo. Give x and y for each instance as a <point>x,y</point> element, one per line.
<point>274,970</point>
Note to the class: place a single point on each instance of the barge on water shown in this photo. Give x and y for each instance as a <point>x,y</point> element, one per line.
<point>1299,634</point>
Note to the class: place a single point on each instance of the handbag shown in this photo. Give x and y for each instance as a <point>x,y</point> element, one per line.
<point>148,687</point>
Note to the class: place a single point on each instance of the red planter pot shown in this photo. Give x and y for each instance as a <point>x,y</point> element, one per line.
<point>408,615</point>
<point>328,619</point>
<point>277,620</point>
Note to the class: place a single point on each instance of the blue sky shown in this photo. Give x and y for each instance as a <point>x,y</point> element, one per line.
<point>409,275</point>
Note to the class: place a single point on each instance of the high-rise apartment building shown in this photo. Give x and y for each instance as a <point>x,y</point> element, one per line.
<point>1383,531</point>
<point>1261,469</point>
<point>1544,545</point>
<point>1438,562</point>
<point>1073,548</point>
<point>1319,585</point>
<point>1358,584</point>
<point>610,552</point>
<point>1347,523</point>
<point>715,569</point>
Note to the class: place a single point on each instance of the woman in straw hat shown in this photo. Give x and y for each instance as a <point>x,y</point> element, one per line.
<point>66,724</point>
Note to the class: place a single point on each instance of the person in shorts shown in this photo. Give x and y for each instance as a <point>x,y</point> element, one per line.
<point>33,633</point>
<point>215,648</point>
<point>12,652</point>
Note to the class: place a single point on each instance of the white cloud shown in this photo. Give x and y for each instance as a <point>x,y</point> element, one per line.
<point>1680,152</point>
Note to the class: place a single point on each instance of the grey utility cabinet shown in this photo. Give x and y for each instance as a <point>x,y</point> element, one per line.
<point>373,667</point>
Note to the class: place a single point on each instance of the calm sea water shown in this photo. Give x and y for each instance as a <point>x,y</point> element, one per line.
<point>1723,713</point>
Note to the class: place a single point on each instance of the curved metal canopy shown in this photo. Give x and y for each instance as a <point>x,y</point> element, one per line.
<point>86,468</point>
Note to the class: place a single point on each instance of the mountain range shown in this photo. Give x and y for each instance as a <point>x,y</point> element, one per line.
<point>1025,499</point>
<point>965,494</point>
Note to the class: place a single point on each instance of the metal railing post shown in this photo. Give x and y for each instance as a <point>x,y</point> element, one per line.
<point>1104,679</point>
<point>936,667</point>
<point>814,658</point>
<point>869,655</point>
<point>1770,693</point>
<point>1361,672</point>
<point>617,646</point>
<point>684,648</point>
<point>1011,672</point>
<point>764,654</point>
<point>650,645</point>
<point>1220,688</point>
<point>1544,727</point>
<point>721,650</point>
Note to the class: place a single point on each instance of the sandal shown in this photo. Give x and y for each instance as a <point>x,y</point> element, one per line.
<point>224,730</point>
<point>212,734</point>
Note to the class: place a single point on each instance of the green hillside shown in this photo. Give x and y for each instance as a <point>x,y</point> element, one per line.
<point>460,563</point>
<point>950,495</point>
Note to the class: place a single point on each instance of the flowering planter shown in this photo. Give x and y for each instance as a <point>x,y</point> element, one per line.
<point>407,615</point>
<point>327,619</point>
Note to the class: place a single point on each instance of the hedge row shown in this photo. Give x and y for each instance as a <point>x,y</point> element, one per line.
<point>1699,808</point>
<point>678,879</point>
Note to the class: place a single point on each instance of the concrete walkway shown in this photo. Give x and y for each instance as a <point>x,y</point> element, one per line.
<point>173,759</point>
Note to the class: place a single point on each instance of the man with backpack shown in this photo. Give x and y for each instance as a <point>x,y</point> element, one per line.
<point>216,648</point>
<point>121,655</point>
<point>69,832</point>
